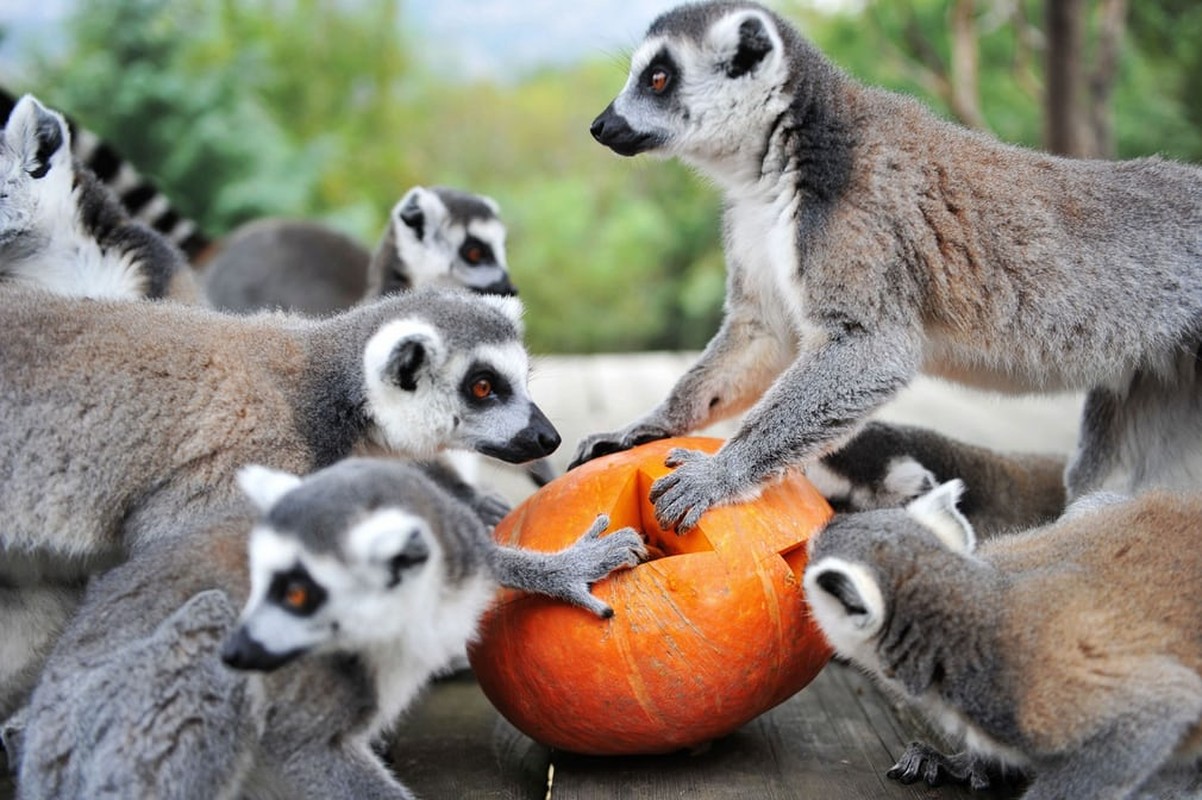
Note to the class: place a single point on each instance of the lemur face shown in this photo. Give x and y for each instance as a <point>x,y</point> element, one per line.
<point>360,584</point>
<point>36,178</point>
<point>704,77</point>
<point>853,561</point>
<point>449,238</point>
<point>430,387</point>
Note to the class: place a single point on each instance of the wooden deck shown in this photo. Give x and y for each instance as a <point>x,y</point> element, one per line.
<point>832,741</point>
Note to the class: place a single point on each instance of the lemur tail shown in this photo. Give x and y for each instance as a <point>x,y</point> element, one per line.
<point>142,199</point>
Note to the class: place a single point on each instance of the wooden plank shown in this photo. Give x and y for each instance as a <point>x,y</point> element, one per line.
<point>836,739</point>
<point>453,744</point>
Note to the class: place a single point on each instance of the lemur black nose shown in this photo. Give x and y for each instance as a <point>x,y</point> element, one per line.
<point>597,129</point>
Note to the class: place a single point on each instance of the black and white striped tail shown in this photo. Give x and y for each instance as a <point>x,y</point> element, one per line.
<point>141,198</point>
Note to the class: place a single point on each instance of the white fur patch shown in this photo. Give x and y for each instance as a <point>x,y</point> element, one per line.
<point>383,534</point>
<point>829,483</point>
<point>906,478</point>
<point>847,633</point>
<point>509,305</point>
<point>419,422</point>
<point>936,510</point>
<point>265,486</point>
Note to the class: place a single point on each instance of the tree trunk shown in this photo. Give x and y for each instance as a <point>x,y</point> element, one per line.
<point>1112,26</point>
<point>1066,131</point>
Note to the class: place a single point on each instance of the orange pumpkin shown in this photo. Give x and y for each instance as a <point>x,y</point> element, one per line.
<point>709,633</point>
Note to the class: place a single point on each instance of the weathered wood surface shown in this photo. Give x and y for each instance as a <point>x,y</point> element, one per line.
<point>835,739</point>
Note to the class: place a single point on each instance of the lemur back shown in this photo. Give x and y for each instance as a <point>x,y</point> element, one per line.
<point>868,240</point>
<point>434,237</point>
<point>363,579</point>
<point>139,195</point>
<point>1060,651</point>
<point>61,228</point>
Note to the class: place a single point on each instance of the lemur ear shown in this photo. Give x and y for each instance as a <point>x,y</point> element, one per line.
<point>845,597</point>
<point>404,362</point>
<point>492,204</point>
<point>38,135</point>
<point>402,351</point>
<point>746,41</point>
<point>420,210</point>
<point>265,486</point>
<point>509,305</point>
<point>936,510</point>
<point>394,539</point>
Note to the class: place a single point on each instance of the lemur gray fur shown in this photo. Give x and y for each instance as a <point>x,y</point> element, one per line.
<point>61,228</point>
<point>435,237</point>
<point>868,240</point>
<point>363,579</point>
<point>1071,652</point>
<point>123,418</point>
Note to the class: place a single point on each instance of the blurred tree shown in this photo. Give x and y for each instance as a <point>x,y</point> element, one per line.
<point>316,108</point>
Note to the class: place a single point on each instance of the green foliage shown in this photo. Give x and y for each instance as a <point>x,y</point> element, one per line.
<point>318,108</point>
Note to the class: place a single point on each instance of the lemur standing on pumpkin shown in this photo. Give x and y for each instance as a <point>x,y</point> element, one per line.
<point>868,240</point>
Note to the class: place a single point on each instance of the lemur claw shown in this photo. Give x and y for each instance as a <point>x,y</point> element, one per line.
<point>593,557</point>
<point>923,762</point>
<point>603,444</point>
<point>681,497</point>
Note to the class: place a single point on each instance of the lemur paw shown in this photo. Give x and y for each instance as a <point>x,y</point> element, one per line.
<point>491,508</point>
<point>698,483</point>
<point>602,444</point>
<point>923,762</point>
<point>593,557</point>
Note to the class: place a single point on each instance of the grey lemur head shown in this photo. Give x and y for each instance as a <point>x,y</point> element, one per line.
<point>879,583</point>
<point>706,77</point>
<point>355,555</point>
<point>452,372</point>
<point>36,178</point>
<point>63,229</point>
<point>441,237</point>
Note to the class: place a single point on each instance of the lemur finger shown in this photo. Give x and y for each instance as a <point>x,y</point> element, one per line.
<point>590,602</point>
<point>594,446</point>
<point>681,455</point>
<point>598,526</point>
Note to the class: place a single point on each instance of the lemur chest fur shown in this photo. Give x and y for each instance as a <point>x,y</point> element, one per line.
<point>78,266</point>
<point>761,244</point>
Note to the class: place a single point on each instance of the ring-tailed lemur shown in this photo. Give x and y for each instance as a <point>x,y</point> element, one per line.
<point>886,466</point>
<point>138,194</point>
<point>868,239</point>
<point>363,579</point>
<point>62,229</point>
<point>434,237</point>
<point>1072,652</point>
<point>123,418</point>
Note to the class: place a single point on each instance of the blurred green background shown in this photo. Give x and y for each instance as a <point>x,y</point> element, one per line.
<point>330,109</point>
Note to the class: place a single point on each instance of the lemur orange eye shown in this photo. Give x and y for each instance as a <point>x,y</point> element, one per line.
<point>296,596</point>
<point>482,388</point>
<point>659,80</point>
<point>473,255</point>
